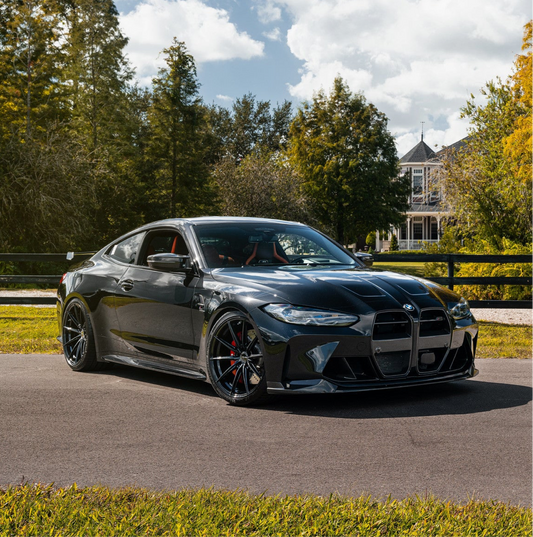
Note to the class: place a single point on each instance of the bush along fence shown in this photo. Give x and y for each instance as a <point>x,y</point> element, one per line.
<point>451,260</point>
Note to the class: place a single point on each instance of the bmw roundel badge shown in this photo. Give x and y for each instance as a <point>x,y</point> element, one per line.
<point>408,307</point>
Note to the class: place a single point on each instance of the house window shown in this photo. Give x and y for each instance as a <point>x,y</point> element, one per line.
<point>403,232</point>
<point>417,231</point>
<point>434,229</point>
<point>418,178</point>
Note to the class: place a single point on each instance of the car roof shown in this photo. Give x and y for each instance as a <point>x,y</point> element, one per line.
<point>222,219</point>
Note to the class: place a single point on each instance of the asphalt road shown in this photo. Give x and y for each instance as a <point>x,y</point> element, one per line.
<point>131,427</point>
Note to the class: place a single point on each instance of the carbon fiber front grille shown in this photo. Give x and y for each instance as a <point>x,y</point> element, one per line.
<point>391,325</point>
<point>434,323</point>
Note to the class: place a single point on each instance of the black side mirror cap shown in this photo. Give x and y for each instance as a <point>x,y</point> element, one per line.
<point>170,262</point>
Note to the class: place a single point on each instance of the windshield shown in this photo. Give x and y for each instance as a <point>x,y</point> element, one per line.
<point>247,244</point>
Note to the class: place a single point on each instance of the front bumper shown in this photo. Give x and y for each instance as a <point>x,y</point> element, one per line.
<point>327,386</point>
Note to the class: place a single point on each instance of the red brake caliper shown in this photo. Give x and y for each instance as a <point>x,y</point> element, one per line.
<point>232,353</point>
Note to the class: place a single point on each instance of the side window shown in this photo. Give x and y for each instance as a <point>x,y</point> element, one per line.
<point>163,242</point>
<point>126,250</point>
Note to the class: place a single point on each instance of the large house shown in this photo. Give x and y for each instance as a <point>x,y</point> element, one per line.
<point>426,208</point>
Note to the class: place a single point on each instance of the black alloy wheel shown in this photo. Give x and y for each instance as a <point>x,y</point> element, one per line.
<point>78,339</point>
<point>235,360</point>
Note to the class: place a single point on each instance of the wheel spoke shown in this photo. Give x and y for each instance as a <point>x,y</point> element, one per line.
<point>234,336</point>
<point>73,339</point>
<point>222,357</point>
<point>236,379</point>
<point>254,369</point>
<point>76,350</point>
<point>245,379</point>
<point>226,344</point>
<point>251,345</point>
<point>231,368</point>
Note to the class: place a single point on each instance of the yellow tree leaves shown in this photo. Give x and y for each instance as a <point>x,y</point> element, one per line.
<point>518,145</point>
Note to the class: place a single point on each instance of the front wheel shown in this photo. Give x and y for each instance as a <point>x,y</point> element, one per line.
<point>78,338</point>
<point>235,360</point>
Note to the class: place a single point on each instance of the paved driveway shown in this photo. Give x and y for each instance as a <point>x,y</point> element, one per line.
<point>130,427</point>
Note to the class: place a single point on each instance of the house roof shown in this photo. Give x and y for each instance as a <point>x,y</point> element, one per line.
<point>421,152</point>
<point>454,147</point>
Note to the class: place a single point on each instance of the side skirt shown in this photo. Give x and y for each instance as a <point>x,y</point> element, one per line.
<point>164,368</point>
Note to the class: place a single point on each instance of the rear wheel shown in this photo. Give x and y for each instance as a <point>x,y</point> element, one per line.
<point>78,338</point>
<point>235,360</point>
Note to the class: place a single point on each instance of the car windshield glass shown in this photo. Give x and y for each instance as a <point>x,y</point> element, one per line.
<point>251,244</point>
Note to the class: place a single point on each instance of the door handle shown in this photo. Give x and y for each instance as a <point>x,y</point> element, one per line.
<point>127,285</point>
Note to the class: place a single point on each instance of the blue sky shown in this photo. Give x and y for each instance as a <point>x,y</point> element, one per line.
<point>416,60</point>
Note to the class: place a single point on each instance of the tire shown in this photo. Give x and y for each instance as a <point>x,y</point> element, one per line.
<point>78,338</point>
<point>235,362</point>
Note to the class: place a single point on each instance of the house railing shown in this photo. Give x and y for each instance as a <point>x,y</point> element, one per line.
<point>450,280</point>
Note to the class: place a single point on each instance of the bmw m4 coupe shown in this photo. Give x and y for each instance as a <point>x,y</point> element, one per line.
<point>259,307</point>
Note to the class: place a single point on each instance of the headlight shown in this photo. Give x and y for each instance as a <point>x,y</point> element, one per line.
<point>459,310</point>
<point>288,313</point>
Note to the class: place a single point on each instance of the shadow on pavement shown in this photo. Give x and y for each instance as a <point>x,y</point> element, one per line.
<point>463,397</point>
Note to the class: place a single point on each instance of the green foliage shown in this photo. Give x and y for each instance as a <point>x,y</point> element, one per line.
<point>261,186</point>
<point>341,146</point>
<point>251,127</point>
<point>40,510</point>
<point>45,182</point>
<point>451,243</point>
<point>487,186</point>
<point>31,57</point>
<point>480,186</point>
<point>177,141</point>
<point>496,292</point>
<point>371,240</point>
<point>394,246</point>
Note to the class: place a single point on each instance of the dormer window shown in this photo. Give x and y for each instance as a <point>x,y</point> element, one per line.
<point>418,178</point>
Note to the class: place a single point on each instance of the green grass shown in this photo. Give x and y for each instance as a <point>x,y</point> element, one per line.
<point>504,340</point>
<point>45,510</point>
<point>414,269</point>
<point>28,330</point>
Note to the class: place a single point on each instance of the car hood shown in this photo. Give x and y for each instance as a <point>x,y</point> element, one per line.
<point>349,290</point>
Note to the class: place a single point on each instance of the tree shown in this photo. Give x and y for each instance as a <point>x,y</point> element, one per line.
<point>177,137</point>
<point>261,186</point>
<point>30,60</point>
<point>250,127</point>
<point>97,71</point>
<point>488,183</point>
<point>47,193</point>
<point>517,146</point>
<point>347,158</point>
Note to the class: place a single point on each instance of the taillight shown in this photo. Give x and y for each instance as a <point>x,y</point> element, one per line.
<point>62,278</point>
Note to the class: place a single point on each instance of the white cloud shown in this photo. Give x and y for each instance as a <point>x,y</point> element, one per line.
<point>267,11</point>
<point>273,35</point>
<point>207,32</point>
<point>225,98</point>
<point>416,60</point>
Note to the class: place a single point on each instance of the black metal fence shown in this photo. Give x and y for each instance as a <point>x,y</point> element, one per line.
<point>450,259</point>
<point>49,280</point>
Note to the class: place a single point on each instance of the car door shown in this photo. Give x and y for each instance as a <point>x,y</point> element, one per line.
<point>154,306</point>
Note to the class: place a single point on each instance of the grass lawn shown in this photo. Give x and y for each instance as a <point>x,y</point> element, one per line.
<point>44,510</point>
<point>29,330</point>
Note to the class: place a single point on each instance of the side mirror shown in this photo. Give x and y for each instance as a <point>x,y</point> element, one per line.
<point>367,259</point>
<point>170,262</point>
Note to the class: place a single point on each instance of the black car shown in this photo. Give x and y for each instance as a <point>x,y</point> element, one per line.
<point>257,306</point>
